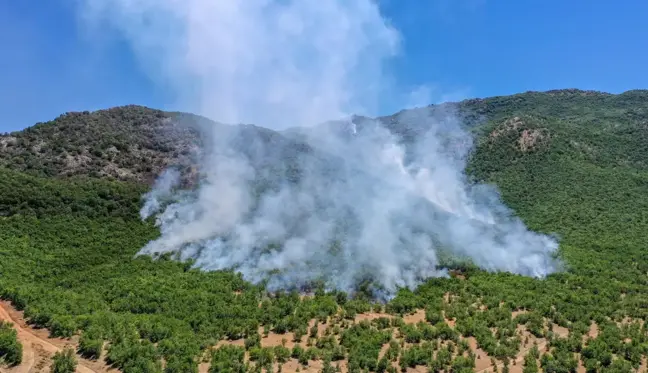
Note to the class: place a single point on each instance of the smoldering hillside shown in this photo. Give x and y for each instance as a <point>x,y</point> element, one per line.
<point>345,202</point>
<point>342,202</point>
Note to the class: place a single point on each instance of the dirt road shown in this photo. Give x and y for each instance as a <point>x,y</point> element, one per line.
<point>37,351</point>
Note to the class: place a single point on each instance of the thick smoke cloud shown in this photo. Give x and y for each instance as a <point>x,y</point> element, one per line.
<point>276,63</point>
<point>367,204</point>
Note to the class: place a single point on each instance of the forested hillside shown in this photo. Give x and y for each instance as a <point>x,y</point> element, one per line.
<point>571,162</point>
<point>130,143</point>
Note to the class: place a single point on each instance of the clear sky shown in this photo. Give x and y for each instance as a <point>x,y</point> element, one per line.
<point>472,48</point>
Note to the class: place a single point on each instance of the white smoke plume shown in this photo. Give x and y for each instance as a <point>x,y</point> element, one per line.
<point>162,190</point>
<point>365,203</point>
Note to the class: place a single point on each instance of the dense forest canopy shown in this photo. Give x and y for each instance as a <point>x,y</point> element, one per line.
<point>571,162</point>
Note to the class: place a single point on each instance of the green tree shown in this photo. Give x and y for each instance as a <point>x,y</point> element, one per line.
<point>530,364</point>
<point>10,349</point>
<point>90,345</point>
<point>64,361</point>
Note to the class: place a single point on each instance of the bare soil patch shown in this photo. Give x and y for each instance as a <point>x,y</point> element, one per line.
<point>370,316</point>
<point>38,347</point>
<point>415,318</point>
<point>560,331</point>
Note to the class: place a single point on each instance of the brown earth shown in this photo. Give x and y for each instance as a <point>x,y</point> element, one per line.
<point>530,139</point>
<point>527,137</point>
<point>415,318</point>
<point>509,125</point>
<point>482,360</point>
<point>38,347</point>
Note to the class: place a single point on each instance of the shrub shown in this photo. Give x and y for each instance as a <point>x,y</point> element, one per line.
<point>64,361</point>
<point>10,349</point>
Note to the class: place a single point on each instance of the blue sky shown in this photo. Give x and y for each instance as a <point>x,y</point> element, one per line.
<point>472,48</point>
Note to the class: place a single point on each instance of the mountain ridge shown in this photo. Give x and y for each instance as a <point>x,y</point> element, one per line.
<point>135,143</point>
<point>568,162</point>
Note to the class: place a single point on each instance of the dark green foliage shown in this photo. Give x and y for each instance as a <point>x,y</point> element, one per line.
<point>530,364</point>
<point>228,359</point>
<point>32,196</point>
<point>560,362</point>
<point>10,349</point>
<point>433,316</point>
<point>405,302</point>
<point>64,361</point>
<point>133,356</point>
<point>364,343</point>
<point>382,323</point>
<point>180,365</point>
<point>412,333</point>
<point>327,367</point>
<point>416,355</point>
<point>393,351</point>
<point>534,323</point>
<point>618,366</point>
<point>297,352</point>
<point>443,358</point>
<point>90,345</point>
<point>383,363</point>
<point>62,326</point>
<point>355,307</point>
<point>282,354</point>
<point>463,364</point>
<point>68,250</point>
<point>181,352</point>
<point>253,340</point>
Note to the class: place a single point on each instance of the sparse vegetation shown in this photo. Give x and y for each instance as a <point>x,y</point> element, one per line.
<point>68,258</point>
<point>130,143</point>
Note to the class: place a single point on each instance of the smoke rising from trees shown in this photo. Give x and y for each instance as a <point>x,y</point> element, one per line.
<point>345,201</point>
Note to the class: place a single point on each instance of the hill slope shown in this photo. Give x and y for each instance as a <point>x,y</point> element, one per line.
<point>130,143</point>
<point>135,143</point>
<point>571,162</point>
